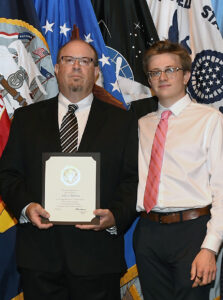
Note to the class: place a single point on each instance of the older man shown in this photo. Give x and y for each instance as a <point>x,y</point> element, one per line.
<point>68,262</point>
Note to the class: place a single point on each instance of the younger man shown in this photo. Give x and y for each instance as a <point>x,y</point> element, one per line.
<point>180,192</point>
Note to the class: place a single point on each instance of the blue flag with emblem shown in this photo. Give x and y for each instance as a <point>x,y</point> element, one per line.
<point>126,39</point>
<point>57,18</point>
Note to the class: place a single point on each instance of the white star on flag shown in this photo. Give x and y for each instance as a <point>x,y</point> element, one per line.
<point>48,26</point>
<point>64,29</point>
<point>104,60</point>
<point>115,86</point>
<point>88,38</point>
<point>137,25</point>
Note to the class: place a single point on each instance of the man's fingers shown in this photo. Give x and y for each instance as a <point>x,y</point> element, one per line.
<point>43,226</point>
<point>106,220</point>
<point>35,212</point>
<point>205,279</point>
<point>87,227</point>
<point>45,214</point>
<point>37,221</point>
<point>193,271</point>
<point>213,275</point>
<point>197,281</point>
<point>204,267</point>
<point>101,212</point>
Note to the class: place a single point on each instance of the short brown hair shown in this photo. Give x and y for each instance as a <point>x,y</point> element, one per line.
<point>94,50</point>
<point>167,46</point>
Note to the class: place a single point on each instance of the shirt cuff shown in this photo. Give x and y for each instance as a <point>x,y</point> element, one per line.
<point>23,218</point>
<point>112,230</point>
<point>211,242</point>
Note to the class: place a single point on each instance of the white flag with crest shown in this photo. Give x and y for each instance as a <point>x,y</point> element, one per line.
<point>193,24</point>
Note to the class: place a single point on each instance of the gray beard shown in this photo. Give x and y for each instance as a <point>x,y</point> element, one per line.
<point>77,88</point>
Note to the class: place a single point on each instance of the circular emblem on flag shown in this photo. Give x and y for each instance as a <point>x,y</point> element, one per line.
<point>15,80</point>
<point>124,69</point>
<point>206,84</point>
<point>70,175</point>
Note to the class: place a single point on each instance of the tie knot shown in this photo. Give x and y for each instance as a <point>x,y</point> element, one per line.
<point>165,114</point>
<point>72,108</point>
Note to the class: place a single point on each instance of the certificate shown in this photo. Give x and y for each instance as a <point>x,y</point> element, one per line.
<point>71,187</point>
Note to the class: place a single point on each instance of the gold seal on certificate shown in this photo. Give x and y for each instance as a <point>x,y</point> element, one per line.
<point>70,175</point>
<point>71,187</point>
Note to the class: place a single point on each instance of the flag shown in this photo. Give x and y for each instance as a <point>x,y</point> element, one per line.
<point>57,18</point>
<point>188,23</point>
<point>130,286</point>
<point>218,9</point>
<point>127,29</point>
<point>9,277</point>
<point>4,126</point>
<point>194,25</point>
<point>23,51</point>
<point>41,52</point>
<point>21,83</point>
<point>126,39</point>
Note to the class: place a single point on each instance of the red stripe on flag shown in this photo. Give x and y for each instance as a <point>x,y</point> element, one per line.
<point>4,127</point>
<point>9,34</point>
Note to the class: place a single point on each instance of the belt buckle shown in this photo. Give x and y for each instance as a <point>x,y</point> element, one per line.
<point>160,219</point>
<point>163,215</point>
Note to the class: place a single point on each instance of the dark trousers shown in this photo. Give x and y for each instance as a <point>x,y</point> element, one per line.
<point>65,286</point>
<point>164,254</point>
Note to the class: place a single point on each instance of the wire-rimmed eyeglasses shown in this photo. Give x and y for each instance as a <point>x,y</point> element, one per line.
<point>70,60</point>
<point>170,72</point>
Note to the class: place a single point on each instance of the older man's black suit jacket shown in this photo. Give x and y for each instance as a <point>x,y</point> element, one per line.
<point>110,131</point>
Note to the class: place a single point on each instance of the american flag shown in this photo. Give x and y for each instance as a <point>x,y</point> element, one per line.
<point>41,52</point>
<point>58,27</point>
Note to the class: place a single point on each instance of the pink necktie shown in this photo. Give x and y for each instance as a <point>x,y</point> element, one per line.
<point>156,160</point>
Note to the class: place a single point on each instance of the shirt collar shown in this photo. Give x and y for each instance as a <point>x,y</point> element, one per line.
<point>82,105</point>
<point>177,107</point>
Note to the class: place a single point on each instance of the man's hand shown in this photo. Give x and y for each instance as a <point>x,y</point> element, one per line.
<point>203,269</point>
<point>107,220</point>
<point>34,212</point>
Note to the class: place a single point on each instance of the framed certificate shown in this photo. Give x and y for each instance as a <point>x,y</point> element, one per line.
<point>71,187</point>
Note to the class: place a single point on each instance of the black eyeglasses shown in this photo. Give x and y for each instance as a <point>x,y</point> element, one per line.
<point>70,60</point>
<point>170,72</point>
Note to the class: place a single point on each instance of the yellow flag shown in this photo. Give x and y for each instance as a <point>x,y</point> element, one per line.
<point>6,220</point>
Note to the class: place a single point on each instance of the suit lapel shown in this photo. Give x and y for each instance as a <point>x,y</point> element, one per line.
<point>50,124</point>
<point>96,119</point>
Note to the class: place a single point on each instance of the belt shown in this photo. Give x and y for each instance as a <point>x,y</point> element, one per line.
<point>178,216</point>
